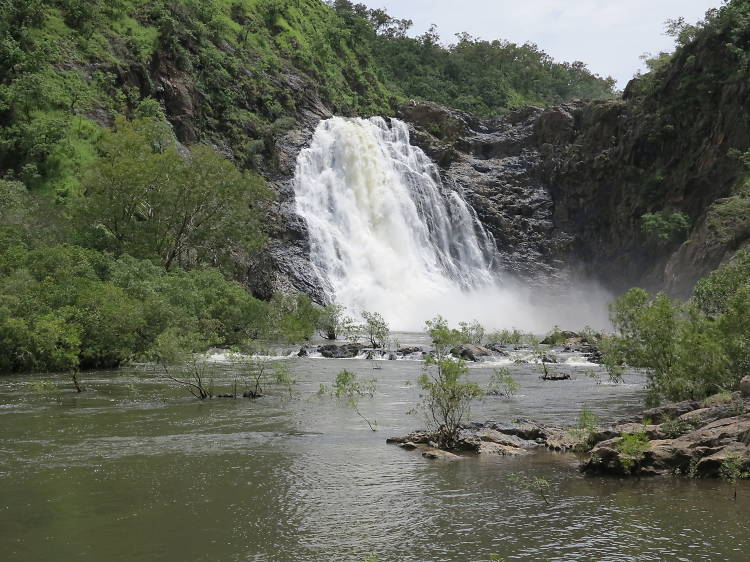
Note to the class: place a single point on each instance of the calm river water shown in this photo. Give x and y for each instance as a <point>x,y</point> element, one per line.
<point>134,470</point>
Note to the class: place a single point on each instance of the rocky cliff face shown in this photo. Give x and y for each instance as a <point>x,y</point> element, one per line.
<point>564,189</point>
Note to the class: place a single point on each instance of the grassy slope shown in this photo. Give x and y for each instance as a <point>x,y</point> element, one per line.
<point>227,61</point>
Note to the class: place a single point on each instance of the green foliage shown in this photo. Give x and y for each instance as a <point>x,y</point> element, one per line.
<point>66,307</point>
<point>334,324</point>
<point>348,388</point>
<point>714,293</point>
<point>731,470</point>
<point>483,77</point>
<point>586,428</point>
<point>632,448</point>
<point>534,483</point>
<point>375,329</point>
<point>502,383</point>
<point>145,199</point>
<point>471,332</point>
<point>506,337</point>
<point>260,373</point>
<point>177,353</point>
<point>446,393</point>
<point>556,337</point>
<point>675,428</point>
<point>663,226</point>
<point>289,318</point>
<point>686,354</point>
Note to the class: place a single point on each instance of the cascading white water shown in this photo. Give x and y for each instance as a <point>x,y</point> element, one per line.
<point>387,236</point>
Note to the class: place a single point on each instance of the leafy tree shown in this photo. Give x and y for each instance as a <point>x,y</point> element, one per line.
<point>375,329</point>
<point>349,388</point>
<point>334,324</point>
<point>472,332</point>
<point>177,354</point>
<point>260,373</point>
<point>446,393</point>
<point>686,354</point>
<point>145,198</point>
<point>586,427</point>
<point>502,383</point>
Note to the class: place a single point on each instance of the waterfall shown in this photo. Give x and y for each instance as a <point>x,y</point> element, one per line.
<point>387,236</point>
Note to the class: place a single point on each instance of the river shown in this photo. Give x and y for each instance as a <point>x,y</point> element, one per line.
<point>134,469</point>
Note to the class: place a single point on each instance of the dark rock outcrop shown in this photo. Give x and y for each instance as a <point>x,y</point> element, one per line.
<point>346,351</point>
<point>470,352</point>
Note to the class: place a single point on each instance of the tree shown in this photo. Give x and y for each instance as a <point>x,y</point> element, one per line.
<point>144,197</point>
<point>177,354</point>
<point>686,354</point>
<point>260,373</point>
<point>334,324</point>
<point>349,388</point>
<point>376,329</point>
<point>446,394</point>
<point>472,332</point>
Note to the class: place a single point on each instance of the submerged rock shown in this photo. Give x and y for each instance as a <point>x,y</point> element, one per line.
<point>439,454</point>
<point>346,351</point>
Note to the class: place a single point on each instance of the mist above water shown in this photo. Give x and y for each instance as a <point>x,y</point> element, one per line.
<point>387,236</point>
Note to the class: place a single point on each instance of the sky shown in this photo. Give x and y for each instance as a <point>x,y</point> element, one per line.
<point>608,35</point>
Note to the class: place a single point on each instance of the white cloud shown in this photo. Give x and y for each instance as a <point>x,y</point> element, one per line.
<point>608,35</point>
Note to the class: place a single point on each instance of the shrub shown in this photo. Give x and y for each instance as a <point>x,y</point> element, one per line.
<point>446,393</point>
<point>632,448</point>
<point>665,226</point>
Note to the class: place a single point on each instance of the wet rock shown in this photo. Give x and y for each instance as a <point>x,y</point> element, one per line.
<point>470,352</point>
<point>346,351</point>
<point>303,352</point>
<point>408,445</point>
<point>498,349</point>
<point>556,377</point>
<point>706,438</point>
<point>439,454</point>
<point>408,350</point>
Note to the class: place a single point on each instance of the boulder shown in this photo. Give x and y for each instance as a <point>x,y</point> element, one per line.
<point>408,350</point>
<point>303,352</point>
<point>470,352</point>
<point>439,454</point>
<point>346,351</point>
<point>498,349</point>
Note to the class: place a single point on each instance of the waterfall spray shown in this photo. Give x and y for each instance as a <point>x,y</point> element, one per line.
<point>386,235</point>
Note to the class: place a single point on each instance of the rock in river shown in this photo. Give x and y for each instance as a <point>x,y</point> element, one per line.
<point>346,351</point>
